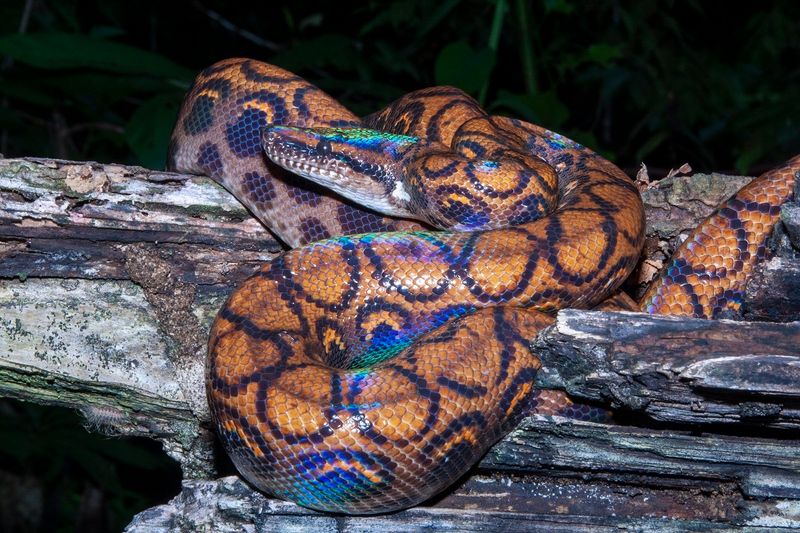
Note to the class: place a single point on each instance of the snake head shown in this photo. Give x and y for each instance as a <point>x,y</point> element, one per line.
<point>405,176</point>
<point>361,164</point>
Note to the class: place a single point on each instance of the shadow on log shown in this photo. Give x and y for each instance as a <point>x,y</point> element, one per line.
<point>110,276</point>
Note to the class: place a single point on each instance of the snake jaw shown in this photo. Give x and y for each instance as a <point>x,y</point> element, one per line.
<point>365,166</point>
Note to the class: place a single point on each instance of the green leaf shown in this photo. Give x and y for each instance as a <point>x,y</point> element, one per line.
<point>434,18</point>
<point>603,53</point>
<point>149,129</point>
<point>330,49</point>
<point>106,32</point>
<point>558,6</point>
<point>749,155</point>
<point>27,91</point>
<point>106,87</point>
<point>459,65</point>
<point>67,50</point>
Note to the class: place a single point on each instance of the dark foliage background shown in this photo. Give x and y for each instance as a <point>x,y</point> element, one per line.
<point>659,81</point>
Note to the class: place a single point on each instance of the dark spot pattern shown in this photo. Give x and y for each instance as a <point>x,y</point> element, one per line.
<point>200,116</point>
<point>244,135</point>
<point>209,160</point>
<point>260,189</point>
<point>313,229</point>
<point>304,197</point>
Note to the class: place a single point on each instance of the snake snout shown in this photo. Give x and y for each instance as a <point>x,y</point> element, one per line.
<point>289,143</point>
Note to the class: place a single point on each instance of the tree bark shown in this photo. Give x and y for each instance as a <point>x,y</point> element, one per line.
<point>111,275</point>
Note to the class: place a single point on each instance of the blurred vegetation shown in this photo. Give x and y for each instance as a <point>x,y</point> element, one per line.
<point>665,82</point>
<point>56,476</point>
<point>659,81</point>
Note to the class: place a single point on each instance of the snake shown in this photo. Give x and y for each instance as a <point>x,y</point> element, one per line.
<point>368,367</point>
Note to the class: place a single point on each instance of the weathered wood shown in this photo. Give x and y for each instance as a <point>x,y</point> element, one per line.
<point>488,504</point>
<point>58,216</point>
<point>757,467</point>
<point>110,276</point>
<point>63,219</point>
<point>790,214</point>
<point>567,475</point>
<point>775,293</point>
<point>676,369</point>
<point>585,478</point>
<point>677,204</point>
<point>97,346</point>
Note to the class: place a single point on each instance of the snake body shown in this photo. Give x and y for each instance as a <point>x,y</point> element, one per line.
<point>369,367</point>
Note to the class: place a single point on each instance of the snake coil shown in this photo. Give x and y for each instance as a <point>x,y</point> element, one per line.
<point>369,367</point>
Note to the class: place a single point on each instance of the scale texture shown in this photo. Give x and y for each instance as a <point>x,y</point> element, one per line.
<point>368,368</point>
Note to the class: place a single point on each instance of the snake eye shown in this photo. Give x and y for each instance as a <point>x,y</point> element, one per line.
<point>324,147</point>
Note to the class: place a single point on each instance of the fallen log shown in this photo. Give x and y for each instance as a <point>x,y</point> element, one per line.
<point>677,370</point>
<point>110,276</point>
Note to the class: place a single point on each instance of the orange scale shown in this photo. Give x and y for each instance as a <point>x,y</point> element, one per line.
<point>289,412</point>
<point>584,203</point>
<point>431,369</point>
<point>522,395</point>
<point>309,383</point>
<point>711,250</point>
<point>692,279</point>
<point>346,439</point>
<point>748,221</point>
<point>322,272</point>
<point>485,272</point>
<point>398,421</point>
<point>579,261</point>
<point>591,249</point>
<point>702,262</point>
<point>245,436</point>
<point>726,249</point>
<point>247,294</point>
<point>389,318</point>
<point>551,402</point>
<point>243,367</point>
<point>703,294</point>
<point>230,348</point>
<point>410,255</point>
<point>505,281</point>
<point>467,436</point>
<point>434,163</point>
<point>272,315</point>
<point>468,151</point>
<point>610,189</point>
<point>752,237</point>
<point>676,308</point>
<point>710,233</point>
